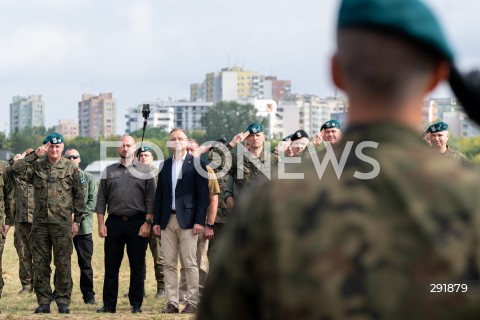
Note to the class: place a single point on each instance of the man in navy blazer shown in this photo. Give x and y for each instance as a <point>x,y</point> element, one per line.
<point>181,202</point>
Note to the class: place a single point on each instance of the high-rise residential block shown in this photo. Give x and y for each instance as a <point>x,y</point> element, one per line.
<point>68,128</point>
<point>26,112</point>
<point>237,84</point>
<point>97,115</point>
<point>169,114</point>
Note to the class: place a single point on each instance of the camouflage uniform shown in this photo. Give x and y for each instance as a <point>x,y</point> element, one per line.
<point>58,192</point>
<point>456,156</point>
<point>251,168</point>
<point>4,207</point>
<point>158,264</point>
<point>354,249</point>
<point>221,217</point>
<point>23,215</point>
<point>156,249</point>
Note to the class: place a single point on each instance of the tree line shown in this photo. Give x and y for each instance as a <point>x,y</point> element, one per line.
<point>224,120</point>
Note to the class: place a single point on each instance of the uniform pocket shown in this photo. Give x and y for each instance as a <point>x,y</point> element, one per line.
<point>65,180</point>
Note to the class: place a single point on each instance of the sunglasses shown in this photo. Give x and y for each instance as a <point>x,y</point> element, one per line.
<point>72,157</point>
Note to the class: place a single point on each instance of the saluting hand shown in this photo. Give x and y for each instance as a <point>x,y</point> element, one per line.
<point>239,138</point>
<point>42,149</point>
<point>318,138</point>
<point>426,136</point>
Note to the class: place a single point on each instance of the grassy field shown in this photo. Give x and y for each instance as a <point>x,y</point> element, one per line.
<point>14,306</point>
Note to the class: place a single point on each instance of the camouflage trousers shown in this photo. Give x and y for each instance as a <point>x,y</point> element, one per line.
<point>213,243</point>
<point>157,254</point>
<point>2,245</point>
<point>22,245</point>
<point>43,238</point>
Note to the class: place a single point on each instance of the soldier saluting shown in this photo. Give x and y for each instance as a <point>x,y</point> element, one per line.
<point>58,193</point>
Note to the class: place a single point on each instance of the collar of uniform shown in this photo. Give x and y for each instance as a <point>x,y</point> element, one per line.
<point>62,163</point>
<point>261,158</point>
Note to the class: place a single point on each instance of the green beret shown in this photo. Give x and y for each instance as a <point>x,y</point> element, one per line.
<point>144,149</point>
<point>255,128</point>
<point>436,127</point>
<point>53,138</point>
<point>331,124</point>
<point>410,18</point>
<point>299,134</point>
<point>289,137</point>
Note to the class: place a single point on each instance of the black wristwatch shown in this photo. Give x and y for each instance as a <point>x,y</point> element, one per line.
<point>211,226</point>
<point>149,221</point>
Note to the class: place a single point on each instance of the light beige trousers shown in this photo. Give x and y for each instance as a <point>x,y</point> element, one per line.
<point>176,240</point>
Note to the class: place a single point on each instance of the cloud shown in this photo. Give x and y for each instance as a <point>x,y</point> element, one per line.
<point>38,47</point>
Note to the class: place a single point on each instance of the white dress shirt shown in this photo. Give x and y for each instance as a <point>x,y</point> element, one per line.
<point>176,173</point>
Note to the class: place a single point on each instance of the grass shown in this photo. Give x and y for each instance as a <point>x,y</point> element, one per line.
<point>14,306</point>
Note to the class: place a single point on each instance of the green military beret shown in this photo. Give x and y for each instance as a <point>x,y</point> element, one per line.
<point>410,18</point>
<point>299,134</point>
<point>436,127</point>
<point>330,124</point>
<point>289,137</point>
<point>255,128</point>
<point>53,138</point>
<point>144,149</point>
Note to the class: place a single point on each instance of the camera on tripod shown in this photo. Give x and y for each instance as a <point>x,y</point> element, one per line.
<point>146,111</point>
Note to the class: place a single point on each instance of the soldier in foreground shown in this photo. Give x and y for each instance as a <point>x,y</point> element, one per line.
<point>58,193</point>
<point>378,242</point>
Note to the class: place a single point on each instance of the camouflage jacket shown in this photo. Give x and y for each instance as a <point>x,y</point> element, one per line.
<point>58,191</point>
<point>3,191</point>
<point>222,210</point>
<point>246,169</point>
<point>23,198</point>
<point>90,198</point>
<point>325,247</point>
<point>456,155</point>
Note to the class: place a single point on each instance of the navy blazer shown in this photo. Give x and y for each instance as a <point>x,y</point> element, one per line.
<point>191,195</point>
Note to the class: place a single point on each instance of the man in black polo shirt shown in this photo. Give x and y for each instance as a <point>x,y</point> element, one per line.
<point>127,191</point>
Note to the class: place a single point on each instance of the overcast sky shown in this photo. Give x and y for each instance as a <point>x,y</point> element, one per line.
<point>148,49</point>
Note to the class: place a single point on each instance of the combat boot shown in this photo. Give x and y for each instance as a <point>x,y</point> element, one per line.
<point>63,308</point>
<point>43,308</point>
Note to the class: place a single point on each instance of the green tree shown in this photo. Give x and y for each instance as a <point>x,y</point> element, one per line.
<point>89,149</point>
<point>4,142</point>
<point>226,119</point>
<point>29,137</point>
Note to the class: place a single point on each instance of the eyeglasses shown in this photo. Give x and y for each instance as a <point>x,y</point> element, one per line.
<point>72,157</point>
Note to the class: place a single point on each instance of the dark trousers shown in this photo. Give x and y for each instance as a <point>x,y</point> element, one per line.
<point>84,247</point>
<point>120,233</point>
